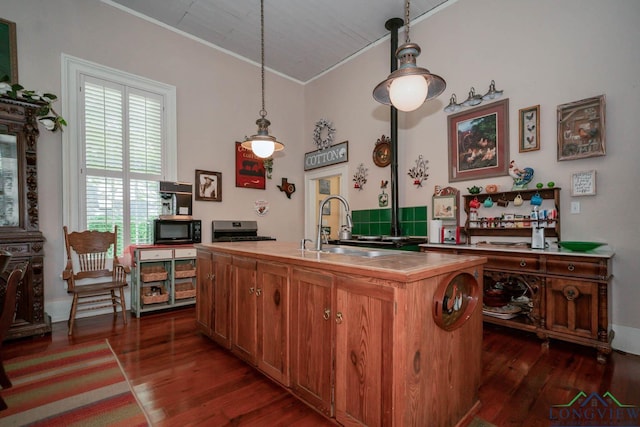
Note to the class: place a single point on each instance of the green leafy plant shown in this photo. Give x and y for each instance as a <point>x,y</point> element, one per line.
<point>47,116</point>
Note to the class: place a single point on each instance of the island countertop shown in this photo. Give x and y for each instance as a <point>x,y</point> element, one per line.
<point>394,265</point>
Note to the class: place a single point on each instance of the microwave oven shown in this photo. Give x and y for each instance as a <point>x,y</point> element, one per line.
<point>177,231</point>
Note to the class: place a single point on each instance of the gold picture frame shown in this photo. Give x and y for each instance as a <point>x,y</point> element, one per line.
<point>581,129</point>
<point>8,51</point>
<point>529,129</point>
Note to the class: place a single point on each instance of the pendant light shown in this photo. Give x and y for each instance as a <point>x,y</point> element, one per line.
<point>262,144</point>
<point>408,87</point>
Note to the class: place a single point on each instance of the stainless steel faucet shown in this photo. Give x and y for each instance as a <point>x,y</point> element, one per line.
<point>349,221</point>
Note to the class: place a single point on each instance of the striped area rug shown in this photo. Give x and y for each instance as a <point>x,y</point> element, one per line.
<point>82,385</point>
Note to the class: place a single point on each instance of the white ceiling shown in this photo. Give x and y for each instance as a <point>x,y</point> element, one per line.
<point>302,38</point>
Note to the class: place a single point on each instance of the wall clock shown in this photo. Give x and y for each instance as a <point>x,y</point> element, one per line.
<point>382,152</point>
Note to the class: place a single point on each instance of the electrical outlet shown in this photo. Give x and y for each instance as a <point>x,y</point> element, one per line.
<point>575,207</point>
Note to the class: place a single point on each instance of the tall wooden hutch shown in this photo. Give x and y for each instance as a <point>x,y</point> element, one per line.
<point>19,224</point>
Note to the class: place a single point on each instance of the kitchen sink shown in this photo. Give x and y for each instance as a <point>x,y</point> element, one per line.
<point>355,252</point>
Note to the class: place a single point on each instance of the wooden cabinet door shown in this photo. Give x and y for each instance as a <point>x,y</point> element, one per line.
<point>572,307</point>
<point>364,347</point>
<point>312,338</point>
<point>272,293</point>
<point>204,291</point>
<point>244,309</point>
<point>221,316</point>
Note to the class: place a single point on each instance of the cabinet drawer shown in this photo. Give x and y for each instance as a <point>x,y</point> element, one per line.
<point>185,252</point>
<point>520,263</point>
<point>155,254</point>
<point>575,268</point>
<point>16,249</point>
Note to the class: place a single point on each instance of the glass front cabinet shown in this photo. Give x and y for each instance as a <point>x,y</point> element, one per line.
<point>19,227</point>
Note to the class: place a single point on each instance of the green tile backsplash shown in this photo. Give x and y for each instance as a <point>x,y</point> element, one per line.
<point>375,222</point>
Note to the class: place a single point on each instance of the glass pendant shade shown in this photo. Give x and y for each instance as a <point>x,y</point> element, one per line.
<point>473,99</point>
<point>262,144</point>
<point>453,105</point>
<point>408,87</point>
<point>409,92</point>
<point>493,93</point>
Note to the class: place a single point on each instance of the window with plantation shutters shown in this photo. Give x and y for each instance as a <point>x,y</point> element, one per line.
<point>123,150</point>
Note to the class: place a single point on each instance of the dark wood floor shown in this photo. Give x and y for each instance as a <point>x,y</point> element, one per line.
<point>182,378</point>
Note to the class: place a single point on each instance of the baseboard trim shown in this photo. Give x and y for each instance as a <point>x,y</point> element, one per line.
<point>627,339</point>
<point>59,309</point>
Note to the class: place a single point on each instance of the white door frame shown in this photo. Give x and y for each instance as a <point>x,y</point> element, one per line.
<point>310,178</point>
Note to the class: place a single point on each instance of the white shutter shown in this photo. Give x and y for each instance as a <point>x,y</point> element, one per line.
<point>123,151</point>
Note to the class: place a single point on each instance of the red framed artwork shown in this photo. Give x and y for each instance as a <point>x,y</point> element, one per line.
<point>250,171</point>
<point>479,142</point>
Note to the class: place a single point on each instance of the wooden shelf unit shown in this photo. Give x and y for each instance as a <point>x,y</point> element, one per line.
<point>171,270</point>
<point>550,200</point>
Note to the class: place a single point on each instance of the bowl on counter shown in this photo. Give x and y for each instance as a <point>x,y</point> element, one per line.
<point>580,246</point>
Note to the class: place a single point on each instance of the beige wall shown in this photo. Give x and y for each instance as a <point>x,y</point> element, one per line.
<point>218,100</point>
<point>540,52</point>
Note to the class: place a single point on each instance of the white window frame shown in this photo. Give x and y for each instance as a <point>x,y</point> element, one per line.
<point>72,69</point>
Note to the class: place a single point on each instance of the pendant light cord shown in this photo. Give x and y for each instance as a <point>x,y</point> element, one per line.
<point>263,112</point>
<point>406,23</point>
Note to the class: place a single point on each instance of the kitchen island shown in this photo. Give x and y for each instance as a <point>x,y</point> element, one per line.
<point>367,337</point>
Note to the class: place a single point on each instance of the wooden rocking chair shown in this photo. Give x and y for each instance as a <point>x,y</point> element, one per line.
<point>89,251</point>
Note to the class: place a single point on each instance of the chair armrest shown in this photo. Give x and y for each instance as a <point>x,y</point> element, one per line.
<point>120,273</point>
<point>126,268</point>
<point>68,272</point>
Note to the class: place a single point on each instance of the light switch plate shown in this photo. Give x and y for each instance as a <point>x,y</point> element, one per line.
<point>575,207</point>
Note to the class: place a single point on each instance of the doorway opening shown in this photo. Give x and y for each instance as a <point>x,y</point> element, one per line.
<point>319,184</point>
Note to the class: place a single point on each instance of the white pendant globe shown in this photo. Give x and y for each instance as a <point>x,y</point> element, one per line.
<point>262,149</point>
<point>407,93</point>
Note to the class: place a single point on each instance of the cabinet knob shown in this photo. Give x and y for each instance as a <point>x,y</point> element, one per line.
<point>327,314</point>
<point>258,291</point>
<point>251,290</point>
<point>571,267</point>
<point>523,263</point>
<point>338,317</point>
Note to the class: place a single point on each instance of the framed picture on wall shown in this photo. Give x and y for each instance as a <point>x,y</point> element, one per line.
<point>529,129</point>
<point>583,183</point>
<point>581,129</point>
<point>250,170</point>
<point>444,207</point>
<point>479,142</point>
<point>209,186</point>
<point>324,186</point>
<point>8,51</point>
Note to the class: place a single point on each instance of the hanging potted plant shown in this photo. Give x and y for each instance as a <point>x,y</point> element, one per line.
<point>47,116</point>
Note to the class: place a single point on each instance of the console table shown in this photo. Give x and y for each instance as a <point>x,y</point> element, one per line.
<point>569,292</point>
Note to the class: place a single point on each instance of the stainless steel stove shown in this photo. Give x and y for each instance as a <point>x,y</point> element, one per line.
<point>236,231</point>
